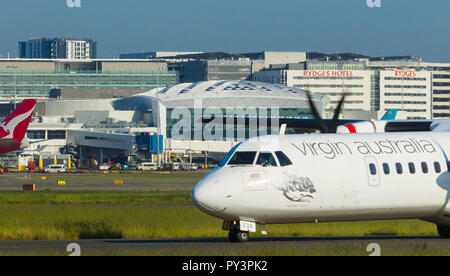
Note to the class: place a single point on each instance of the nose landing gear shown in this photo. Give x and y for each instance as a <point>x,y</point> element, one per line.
<point>239,230</point>
<point>444,231</point>
<point>238,236</point>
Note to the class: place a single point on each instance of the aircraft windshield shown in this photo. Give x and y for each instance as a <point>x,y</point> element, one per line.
<point>266,159</point>
<point>228,156</point>
<point>283,159</point>
<point>243,158</point>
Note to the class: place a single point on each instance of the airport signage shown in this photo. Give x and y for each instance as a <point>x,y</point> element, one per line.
<point>405,73</point>
<point>325,73</point>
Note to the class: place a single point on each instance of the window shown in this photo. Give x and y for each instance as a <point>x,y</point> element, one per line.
<point>373,169</point>
<point>399,168</point>
<point>437,167</point>
<point>424,167</point>
<point>228,156</point>
<point>266,159</point>
<point>386,168</point>
<point>56,134</point>
<point>412,168</point>
<point>36,134</point>
<point>283,159</point>
<point>243,158</point>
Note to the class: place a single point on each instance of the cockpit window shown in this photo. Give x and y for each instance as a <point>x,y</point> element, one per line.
<point>266,159</point>
<point>283,159</point>
<point>243,158</point>
<point>228,156</point>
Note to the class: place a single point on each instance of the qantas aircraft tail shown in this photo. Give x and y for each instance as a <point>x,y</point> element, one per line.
<point>15,126</point>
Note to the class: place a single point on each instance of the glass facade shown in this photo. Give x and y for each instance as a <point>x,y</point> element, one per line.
<point>38,84</point>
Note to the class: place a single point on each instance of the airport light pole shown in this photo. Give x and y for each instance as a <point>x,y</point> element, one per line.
<point>14,76</point>
<point>15,88</point>
<point>341,65</point>
<point>159,119</point>
<point>402,89</point>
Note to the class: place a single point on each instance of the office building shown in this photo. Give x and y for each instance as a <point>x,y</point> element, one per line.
<point>58,48</point>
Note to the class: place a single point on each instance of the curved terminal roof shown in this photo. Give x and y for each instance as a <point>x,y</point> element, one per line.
<point>224,94</point>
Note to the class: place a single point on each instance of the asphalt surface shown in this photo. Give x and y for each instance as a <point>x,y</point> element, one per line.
<point>204,247</point>
<point>86,183</point>
<point>84,187</point>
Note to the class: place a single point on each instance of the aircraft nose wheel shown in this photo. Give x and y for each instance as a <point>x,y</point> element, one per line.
<point>444,231</point>
<point>238,236</point>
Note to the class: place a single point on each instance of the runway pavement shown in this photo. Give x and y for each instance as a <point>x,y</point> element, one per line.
<point>105,187</point>
<point>87,183</point>
<point>221,247</point>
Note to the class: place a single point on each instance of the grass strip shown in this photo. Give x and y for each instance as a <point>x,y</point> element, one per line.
<point>95,197</point>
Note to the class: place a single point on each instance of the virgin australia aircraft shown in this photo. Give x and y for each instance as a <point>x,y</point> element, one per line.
<point>330,178</point>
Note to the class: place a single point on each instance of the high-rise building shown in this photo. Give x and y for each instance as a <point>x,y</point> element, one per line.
<point>58,48</point>
<point>419,90</point>
<point>81,49</point>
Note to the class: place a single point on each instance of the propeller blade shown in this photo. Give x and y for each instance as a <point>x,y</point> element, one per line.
<point>335,122</point>
<point>317,117</point>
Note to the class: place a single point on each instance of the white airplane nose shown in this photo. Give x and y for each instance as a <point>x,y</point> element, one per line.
<point>205,199</point>
<point>200,197</point>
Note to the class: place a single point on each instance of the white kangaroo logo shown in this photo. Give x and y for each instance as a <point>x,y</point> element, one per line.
<point>11,125</point>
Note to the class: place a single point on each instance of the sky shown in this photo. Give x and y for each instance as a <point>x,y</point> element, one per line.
<point>399,27</point>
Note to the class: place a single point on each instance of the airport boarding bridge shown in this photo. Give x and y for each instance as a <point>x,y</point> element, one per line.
<point>102,144</point>
<point>133,146</point>
<point>126,142</point>
<point>198,147</point>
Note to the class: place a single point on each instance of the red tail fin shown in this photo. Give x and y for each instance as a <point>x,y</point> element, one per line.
<point>16,124</point>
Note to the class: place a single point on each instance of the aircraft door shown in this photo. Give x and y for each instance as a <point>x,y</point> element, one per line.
<point>373,171</point>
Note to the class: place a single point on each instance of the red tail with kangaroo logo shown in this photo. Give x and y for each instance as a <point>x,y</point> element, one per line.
<point>15,126</point>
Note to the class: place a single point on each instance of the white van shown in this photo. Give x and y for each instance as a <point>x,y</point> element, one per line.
<point>175,166</point>
<point>55,169</point>
<point>148,167</point>
<point>189,167</point>
<point>104,167</point>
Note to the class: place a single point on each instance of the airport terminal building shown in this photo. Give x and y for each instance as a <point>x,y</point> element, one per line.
<point>81,79</point>
<point>162,124</point>
<point>218,98</point>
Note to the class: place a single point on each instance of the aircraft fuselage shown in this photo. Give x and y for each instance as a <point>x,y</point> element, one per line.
<point>334,178</point>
